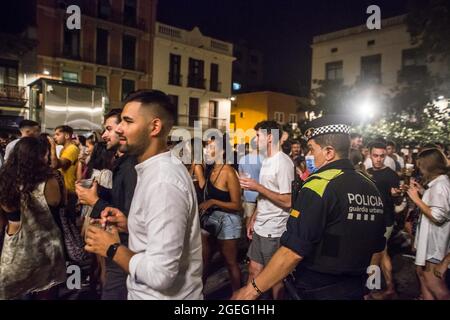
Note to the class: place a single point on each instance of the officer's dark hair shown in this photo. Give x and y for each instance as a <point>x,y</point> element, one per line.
<point>28,124</point>
<point>377,145</point>
<point>355,135</point>
<point>65,129</point>
<point>114,113</point>
<point>158,102</point>
<point>270,126</point>
<point>339,141</point>
<point>390,143</point>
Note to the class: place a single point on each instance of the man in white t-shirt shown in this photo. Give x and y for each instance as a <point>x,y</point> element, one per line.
<point>28,128</point>
<point>269,220</point>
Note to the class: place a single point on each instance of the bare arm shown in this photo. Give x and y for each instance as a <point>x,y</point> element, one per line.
<point>198,171</point>
<point>235,193</point>
<point>52,192</point>
<point>281,200</point>
<point>282,263</point>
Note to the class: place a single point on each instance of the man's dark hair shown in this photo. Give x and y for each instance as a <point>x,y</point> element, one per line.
<point>158,102</point>
<point>355,135</point>
<point>340,142</point>
<point>295,142</point>
<point>114,113</point>
<point>286,147</point>
<point>390,143</point>
<point>377,145</point>
<point>270,125</point>
<point>28,124</point>
<point>65,129</point>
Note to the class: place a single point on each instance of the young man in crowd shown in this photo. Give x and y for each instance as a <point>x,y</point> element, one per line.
<point>28,128</point>
<point>391,152</point>
<point>356,144</point>
<point>269,220</point>
<point>164,255</point>
<point>296,149</point>
<point>124,183</point>
<point>387,182</point>
<point>66,163</point>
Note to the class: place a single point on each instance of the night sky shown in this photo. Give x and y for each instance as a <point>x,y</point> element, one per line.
<point>281,29</point>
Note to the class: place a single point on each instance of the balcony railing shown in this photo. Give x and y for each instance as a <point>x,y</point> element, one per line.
<point>195,82</point>
<point>215,86</point>
<point>175,79</point>
<point>206,122</point>
<point>12,95</point>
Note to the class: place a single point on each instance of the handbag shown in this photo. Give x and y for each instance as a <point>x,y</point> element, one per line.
<point>73,242</point>
<point>206,219</point>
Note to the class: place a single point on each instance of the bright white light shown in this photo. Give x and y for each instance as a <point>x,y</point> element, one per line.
<point>46,72</point>
<point>366,109</point>
<point>233,98</point>
<point>441,98</point>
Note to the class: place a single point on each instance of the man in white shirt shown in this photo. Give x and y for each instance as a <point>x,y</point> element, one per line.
<point>164,257</point>
<point>28,128</point>
<point>274,201</point>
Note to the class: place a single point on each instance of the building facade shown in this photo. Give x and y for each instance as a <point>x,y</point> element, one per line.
<point>250,108</point>
<point>195,71</point>
<point>248,75</point>
<point>379,58</point>
<point>112,49</point>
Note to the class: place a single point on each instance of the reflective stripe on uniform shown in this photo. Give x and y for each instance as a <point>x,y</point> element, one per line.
<point>318,182</point>
<point>295,213</point>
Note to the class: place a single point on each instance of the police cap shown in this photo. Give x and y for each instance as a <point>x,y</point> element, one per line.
<point>329,124</point>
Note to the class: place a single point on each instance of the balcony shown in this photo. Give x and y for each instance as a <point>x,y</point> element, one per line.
<point>196,82</point>
<point>11,95</point>
<point>175,79</point>
<point>207,122</point>
<point>412,73</point>
<point>215,86</point>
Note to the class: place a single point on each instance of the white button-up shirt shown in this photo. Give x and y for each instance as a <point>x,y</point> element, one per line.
<point>433,240</point>
<point>164,232</point>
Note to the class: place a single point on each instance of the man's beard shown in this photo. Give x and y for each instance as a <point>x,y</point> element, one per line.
<point>137,149</point>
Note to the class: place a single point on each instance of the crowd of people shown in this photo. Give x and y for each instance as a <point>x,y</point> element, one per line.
<point>142,223</point>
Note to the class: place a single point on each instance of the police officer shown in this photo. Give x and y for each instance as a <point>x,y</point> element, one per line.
<point>334,228</point>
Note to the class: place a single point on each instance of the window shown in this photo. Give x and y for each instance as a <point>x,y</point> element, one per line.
<point>193,111</point>
<point>279,117</point>
<point>292,118</point>
<point>213,113</point>
<point>71,45</point>
<point>195,79</point>
<point>70,76</point>
<point>174,70</point>
<point>8,72</point>
<point>129,12</point>
<point>102,82</point>
<point>334,70</point>
<point>104,9</point>
<point>102,46</point>
<point>214,84</point>
<point>127,87</point>
<point>174,100</point>
<point>371,69</point>
<point>128,52</point>
<point>334,50</point>
<point>370,43</point>
<point>413,57</point>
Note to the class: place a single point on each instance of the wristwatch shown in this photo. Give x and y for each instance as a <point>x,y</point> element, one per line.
<point>111,252</point>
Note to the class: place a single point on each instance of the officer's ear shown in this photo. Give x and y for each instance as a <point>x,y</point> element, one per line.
<point>329,153</point>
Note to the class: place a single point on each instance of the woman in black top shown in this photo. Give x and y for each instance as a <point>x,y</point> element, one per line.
<point>220,212</point>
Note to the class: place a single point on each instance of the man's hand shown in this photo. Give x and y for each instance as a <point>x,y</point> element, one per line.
<point>249,184</point>
<point>87,196</point>
<point>245,293</point>
<point>52,142</point>
<point>205,205</point>
<point>98,240</point>
<point>115,217</point>
<point>396,192</point>
<point>440,270</point>
<point>250,230</point>
<point>413,193</point>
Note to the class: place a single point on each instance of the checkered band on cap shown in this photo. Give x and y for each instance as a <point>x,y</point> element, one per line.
<point>334,128</point>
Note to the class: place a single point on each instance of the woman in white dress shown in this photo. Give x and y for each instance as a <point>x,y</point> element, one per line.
<point>433,233</point>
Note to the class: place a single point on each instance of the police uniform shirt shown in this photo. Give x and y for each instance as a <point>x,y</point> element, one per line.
<point>337,221</point>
